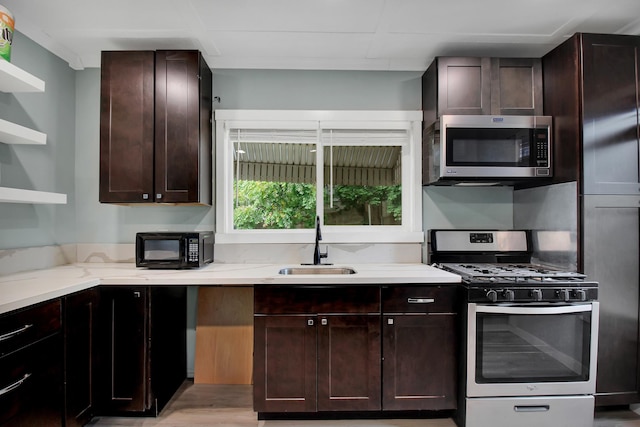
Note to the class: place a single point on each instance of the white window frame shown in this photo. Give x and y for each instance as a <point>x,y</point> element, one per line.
<point>409,232</point>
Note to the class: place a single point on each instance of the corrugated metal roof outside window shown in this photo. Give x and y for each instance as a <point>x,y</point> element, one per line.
<point>356,157</point>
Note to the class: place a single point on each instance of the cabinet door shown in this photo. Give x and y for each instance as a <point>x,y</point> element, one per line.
<point>80,313</point>
<point>610,114</point>
<point>464,85</point>
<point>126,127</point>
<point>123,342</point>
<point>177,127</point>
<point>516,86</point>
<point>349,363</point>
<point>284,363</point>
<point>612,257</point>
<point>419,355</point>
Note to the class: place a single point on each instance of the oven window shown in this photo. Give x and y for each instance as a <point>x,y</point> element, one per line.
<point>489,147</point>
<point>162,250</point>
<point>513,348</point>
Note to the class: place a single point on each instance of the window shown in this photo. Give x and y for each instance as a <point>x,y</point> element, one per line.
<point>270,188</point>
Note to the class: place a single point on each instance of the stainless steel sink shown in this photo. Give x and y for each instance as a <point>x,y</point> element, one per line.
<point>317,269</point>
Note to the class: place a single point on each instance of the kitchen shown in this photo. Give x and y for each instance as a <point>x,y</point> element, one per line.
<point>98,232</point>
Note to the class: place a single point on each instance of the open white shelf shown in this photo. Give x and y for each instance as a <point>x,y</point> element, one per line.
<point>14,79</point>
<point>11,133</point>
<point>16,195</point>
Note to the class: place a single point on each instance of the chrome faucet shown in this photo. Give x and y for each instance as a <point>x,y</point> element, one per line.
<point>317,255</point>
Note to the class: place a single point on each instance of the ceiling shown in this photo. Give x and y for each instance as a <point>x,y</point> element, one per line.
<point>317,34</point>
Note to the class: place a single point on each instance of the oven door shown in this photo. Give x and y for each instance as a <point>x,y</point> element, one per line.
<point>531,350</point>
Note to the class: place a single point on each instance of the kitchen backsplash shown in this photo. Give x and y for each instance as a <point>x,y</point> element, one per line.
<point>35,258</point>
<point>269,253</point>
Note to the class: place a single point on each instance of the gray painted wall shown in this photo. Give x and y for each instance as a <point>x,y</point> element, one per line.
<point>237,89</point>
<point>36,167</point>
<point>451,207</point>
<point>318,90</point>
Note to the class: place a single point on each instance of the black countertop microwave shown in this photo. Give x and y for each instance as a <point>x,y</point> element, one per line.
<point>487,148</point>
<point>174,249</point>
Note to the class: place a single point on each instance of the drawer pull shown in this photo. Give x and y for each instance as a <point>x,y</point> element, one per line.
<point>531,408</point>
<point>420,300</point>
<point>15,385</point>
<point>16,332</point>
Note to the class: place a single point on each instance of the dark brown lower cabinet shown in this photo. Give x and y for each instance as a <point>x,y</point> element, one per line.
<point>285,376</point>
<point>80,314</point>
<point>36,374</point>
<point>419,330</point>
<point>316,348</point>
<point>31,366</point>
<point>419,362</point>
<point>330,349</point>
<point>142,347</point>
<point>349,363</point>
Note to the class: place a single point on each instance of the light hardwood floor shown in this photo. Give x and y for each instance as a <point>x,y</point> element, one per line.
<point>230,406</point>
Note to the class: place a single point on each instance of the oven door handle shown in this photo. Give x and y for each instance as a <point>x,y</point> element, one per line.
<point>502,309</point>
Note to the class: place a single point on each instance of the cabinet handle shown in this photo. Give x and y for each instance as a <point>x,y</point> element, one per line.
<point>136,294</point>
<point>15,385</point>
<point>420,300</point>
<point>158,196</point>
<point>14,333</point>
<point>145,196</point>
<point>531,408</point>
<point>390,321</point>
<point>324,322</point>
<point>310,322</point>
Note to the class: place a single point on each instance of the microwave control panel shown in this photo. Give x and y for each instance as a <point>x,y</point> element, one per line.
<point>542,147</point>
<point>192,251</point>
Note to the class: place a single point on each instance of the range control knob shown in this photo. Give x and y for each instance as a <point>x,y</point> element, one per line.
<point>536,294</point>
<point>508,295</point>
<point>581,294</point>
<point>564,294</point>
<point>492,295</point>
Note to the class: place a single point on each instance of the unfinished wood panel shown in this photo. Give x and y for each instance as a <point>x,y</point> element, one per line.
<point>224,336</point>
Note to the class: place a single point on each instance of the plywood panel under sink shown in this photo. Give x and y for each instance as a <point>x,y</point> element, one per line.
<point>224,336</point>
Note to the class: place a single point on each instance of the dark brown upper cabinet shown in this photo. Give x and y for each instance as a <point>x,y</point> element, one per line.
<point>592,86</point>
<point>485,86</point>
<point>155,127</point>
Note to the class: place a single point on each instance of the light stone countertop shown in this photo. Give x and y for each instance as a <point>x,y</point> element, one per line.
<point>27,288</point>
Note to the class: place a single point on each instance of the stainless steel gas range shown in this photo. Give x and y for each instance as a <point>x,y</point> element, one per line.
<point>531,332</point>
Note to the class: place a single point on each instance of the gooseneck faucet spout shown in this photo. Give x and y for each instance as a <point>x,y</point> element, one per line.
<point>317,255</point>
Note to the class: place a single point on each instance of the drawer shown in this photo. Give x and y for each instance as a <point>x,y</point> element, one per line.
<point>26,326</point>
<point>31,385</point>
<point>565,411</point>
<point>420,299</point>
<point>309,299</point>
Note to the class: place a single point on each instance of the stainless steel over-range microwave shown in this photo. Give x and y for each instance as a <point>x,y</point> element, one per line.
<point>174,249</point>
<point>484,148</point>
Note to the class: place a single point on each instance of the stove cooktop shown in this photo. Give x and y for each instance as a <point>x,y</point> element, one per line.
<point>522,283</point>
<point>483,271</point>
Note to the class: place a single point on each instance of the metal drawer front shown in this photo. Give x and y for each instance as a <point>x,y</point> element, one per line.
<point>572,411</point>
